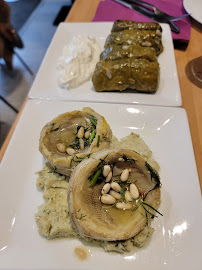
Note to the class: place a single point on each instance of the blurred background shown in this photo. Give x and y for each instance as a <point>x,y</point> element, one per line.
<point>35,22</point>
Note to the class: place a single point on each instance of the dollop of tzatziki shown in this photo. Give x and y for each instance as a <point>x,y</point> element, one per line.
<point>77,63</point>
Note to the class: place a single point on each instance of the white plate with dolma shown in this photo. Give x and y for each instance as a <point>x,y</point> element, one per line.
<point>46,84</point>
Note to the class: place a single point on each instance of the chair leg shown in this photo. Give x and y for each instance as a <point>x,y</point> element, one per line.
<point>9,105</point>
<point>24,64</point>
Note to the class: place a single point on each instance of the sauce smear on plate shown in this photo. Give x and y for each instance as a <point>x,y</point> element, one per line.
<point>81,253</point>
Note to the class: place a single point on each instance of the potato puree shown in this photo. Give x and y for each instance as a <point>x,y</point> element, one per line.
<point>52,217</point>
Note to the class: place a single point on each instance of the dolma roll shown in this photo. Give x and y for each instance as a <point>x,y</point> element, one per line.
<point>121,25</point>
<point>115,52</point>
<point>131,73</point>
<point>145,38</point>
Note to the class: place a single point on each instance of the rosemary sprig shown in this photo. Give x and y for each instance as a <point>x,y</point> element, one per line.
<point>120,182</point>
<point>152,215</point>
<point>76,159</point>
<point>146,217</point>
<point>102,161</point>
<point>152,208</point>
<point>79,159</point>
<point>153,173</point>
<point>126,159</point>
<point>82,216</point>
<point>155,187</point>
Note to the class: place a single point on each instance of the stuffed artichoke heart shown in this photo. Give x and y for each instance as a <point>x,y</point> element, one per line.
<point>113,195</point>
<point>73,136</point>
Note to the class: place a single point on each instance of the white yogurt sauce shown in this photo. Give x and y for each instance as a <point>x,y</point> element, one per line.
<point>78,61</point>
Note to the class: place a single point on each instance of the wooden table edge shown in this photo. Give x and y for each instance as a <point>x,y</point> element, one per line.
<point>11,131</point>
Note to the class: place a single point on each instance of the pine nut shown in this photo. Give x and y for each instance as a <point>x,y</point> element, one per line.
<point>120,159</point>
<point>158,32</point>
<point>124,206</point>
<point>109,177</point>
<point>134,191</point>
<point>146,43</point>
<point>125,47</point>
<point>106,188</point>
<point>108,199</point>
<point>106,170</point>
<point>87,134</point>
<point>81,143</point>
<point>70,151</point>
<point>61,147</point>
<point>80,133</point>
<point>115,194</point>
<point>128,196</point>
<point>115,186</point>
<point>124,176</point>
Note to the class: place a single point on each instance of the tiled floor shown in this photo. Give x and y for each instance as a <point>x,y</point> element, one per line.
<point>36,34</point>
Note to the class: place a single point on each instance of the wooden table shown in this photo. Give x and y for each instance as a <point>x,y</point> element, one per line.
<point>84,10</point>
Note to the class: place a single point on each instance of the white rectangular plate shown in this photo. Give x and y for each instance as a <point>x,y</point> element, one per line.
<point>46,85</point>
<point>176,242</point>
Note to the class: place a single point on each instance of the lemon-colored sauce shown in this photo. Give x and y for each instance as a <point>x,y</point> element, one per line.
<point>65,133</point>
<point>120,216</point>
<point>81,253</point>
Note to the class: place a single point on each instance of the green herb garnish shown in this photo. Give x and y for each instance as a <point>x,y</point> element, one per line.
<point>102,161</point>
<point>79,159</point>
<point>152,208</point>
<point>153,173</point>
<point>98,140</point>
<point>92,136</point>
<point>152,215</point>
<point>126,159</point>
<point>120,182</point>
<point>122,192</point>
<point>82,216</point>
<point>75,145</point>
<point>95,177</point>
<point>93,120</point>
